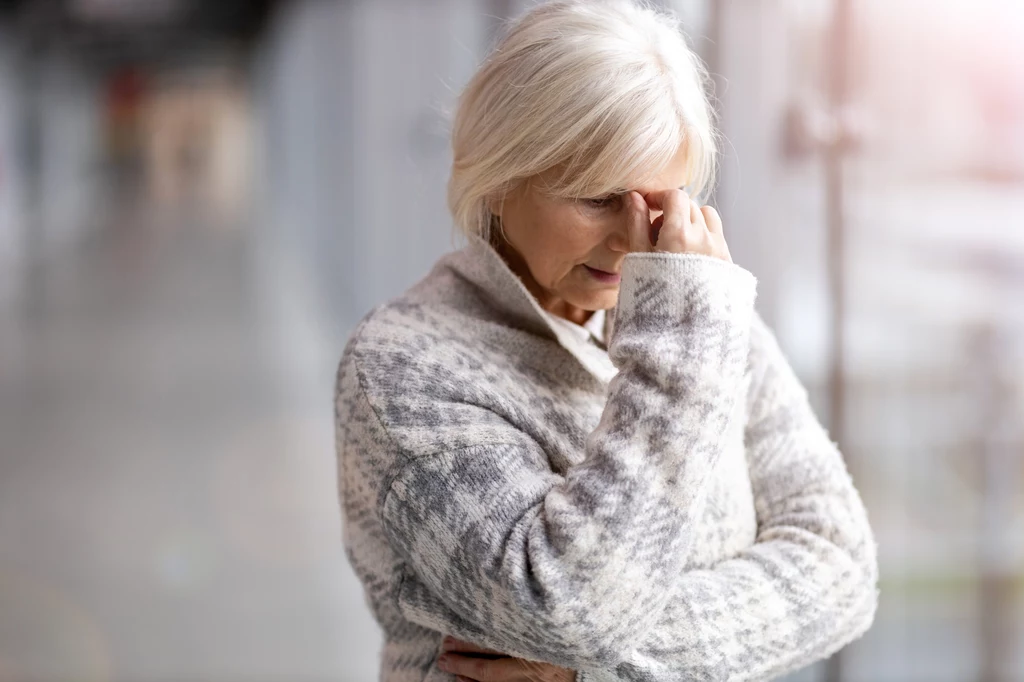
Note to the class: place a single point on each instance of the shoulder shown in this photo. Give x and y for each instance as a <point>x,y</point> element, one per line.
<point>410,329</point>
<point>421,371</point>
<point>398,341</point>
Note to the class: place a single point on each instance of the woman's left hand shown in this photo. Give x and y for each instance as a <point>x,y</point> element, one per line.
<point>476,664</point>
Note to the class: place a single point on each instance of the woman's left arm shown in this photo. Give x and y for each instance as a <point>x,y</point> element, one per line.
<point>806,588</point>
<point>803,590</point>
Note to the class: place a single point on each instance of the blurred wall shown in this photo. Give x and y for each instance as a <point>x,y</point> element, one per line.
<point>353,102</point>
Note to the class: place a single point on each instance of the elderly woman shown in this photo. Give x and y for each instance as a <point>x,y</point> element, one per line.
<point>574,450</point>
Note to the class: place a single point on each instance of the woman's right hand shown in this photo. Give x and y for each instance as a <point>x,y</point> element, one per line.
<point>682,227</point>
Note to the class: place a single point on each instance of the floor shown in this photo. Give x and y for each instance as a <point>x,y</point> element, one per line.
<point>168,504</point>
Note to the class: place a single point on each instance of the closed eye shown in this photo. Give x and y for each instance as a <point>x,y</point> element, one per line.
<point>607,201</point>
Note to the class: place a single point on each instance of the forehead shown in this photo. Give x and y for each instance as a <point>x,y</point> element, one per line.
<point>675,175</point>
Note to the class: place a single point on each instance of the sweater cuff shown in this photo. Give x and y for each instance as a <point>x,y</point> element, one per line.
<point>678,286</point>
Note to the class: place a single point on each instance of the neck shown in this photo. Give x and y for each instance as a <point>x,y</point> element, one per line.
<point>546,300</point>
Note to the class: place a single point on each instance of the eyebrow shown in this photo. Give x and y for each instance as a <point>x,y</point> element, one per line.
<point>624,191</point>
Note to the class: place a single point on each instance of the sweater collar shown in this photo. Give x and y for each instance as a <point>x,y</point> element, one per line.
<point>481,265</point>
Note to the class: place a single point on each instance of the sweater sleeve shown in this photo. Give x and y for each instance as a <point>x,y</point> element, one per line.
<point>502,551</point>
<point>805,589</point>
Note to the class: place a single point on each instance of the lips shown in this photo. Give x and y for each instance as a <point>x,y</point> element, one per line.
<point>603,275</point>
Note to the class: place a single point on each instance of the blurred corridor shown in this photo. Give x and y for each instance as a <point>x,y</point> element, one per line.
<point>163,506</point>
<point>199,200</point>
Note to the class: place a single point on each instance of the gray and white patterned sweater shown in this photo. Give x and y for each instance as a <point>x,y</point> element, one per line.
<point>689,519</point>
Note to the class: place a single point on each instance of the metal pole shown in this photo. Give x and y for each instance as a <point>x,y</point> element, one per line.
<point>838,92</point>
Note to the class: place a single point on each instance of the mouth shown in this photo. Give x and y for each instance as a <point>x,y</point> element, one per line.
<point>603,275</point>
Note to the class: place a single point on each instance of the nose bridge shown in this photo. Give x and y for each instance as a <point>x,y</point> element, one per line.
<point>618,230</point>
<point>617,238</point>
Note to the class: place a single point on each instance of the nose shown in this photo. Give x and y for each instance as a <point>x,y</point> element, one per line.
<point>618,238</point>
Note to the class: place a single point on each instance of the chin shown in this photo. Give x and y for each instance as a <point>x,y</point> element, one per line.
<point>602,301</point>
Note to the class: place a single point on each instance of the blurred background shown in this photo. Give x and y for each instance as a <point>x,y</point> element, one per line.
<point>198,200</point>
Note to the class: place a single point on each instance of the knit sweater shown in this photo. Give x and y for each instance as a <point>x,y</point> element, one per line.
<point>685,519</point>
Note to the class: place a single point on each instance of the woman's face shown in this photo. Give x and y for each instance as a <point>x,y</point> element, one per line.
<point>569,252</point>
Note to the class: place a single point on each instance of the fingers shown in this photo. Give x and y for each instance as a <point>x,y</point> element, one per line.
<point>481,669</point>
<point>472,663</point>
<point>676,219</point>
<point>639,224</point>
<point>452,644</point>
<point>685,226</point>
<point>658,200</point>
<point>712,219</point>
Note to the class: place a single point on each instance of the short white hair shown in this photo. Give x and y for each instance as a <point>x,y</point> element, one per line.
<point>605,91</point>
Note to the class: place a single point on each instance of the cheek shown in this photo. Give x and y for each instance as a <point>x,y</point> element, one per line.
<point>581,234</point>
<point>575,243</point>
<point>557,239</point>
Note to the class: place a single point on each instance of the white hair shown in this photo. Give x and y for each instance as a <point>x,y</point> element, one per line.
<point>604,91</point>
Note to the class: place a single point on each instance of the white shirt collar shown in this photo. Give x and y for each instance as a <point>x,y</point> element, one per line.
<point>593,327</point>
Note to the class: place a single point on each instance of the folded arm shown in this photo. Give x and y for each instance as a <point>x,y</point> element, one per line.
<point>805,589</point>
<point>503,552</point>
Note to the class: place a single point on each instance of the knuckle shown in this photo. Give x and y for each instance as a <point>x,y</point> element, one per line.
<point>676,198</point>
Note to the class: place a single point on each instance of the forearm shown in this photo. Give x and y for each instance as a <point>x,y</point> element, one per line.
<point>806,587</point>
<point>753,618</point>
<point>565,570</point>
